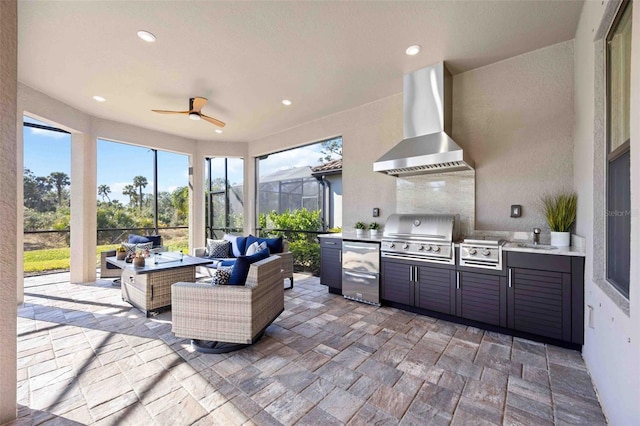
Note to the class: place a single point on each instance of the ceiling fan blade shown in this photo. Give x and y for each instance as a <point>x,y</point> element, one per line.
<point>198,104</point>
<point>212,120</point>
<point>161,111</point>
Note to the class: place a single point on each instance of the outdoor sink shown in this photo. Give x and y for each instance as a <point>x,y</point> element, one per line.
<point>536,246</point>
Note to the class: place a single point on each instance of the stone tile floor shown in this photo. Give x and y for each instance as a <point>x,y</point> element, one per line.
<point>86,357</point>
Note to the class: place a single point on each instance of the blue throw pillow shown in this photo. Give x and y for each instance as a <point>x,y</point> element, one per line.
<point>274,244</point>
<point>241,267</point>
<point>138,239</point>
<point>238,244</point>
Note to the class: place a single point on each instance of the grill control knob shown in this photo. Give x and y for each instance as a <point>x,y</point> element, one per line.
<point>472,251</point>
<point>405,246</point>
<point>392,245</point>
<point>486,252</point>
<point>421,247</point>
<point>436,249</point>
<point>429,248</point>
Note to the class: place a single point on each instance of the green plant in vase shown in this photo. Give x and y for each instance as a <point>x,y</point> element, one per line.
<point>373,228</point>
<point>560,212</point>
<point>360,227</point>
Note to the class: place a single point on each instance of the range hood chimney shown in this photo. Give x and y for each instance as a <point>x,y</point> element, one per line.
<point>426,147</point>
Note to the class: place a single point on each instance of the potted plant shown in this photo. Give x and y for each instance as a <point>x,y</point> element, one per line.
<point>360,227</point>
<point>373,229</point>
<point>121,253</point>
<point>139,261</point>
<point>560,211</point>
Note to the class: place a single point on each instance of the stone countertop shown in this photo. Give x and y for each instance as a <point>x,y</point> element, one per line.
<point>543,249</point>
<point>509,246</point>
<point>351,235</point>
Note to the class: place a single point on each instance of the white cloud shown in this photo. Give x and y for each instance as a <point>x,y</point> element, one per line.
<point>48,133</point>
<point>305,156</point>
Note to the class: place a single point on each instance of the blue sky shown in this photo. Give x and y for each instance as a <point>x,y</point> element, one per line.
<point>46,152</point>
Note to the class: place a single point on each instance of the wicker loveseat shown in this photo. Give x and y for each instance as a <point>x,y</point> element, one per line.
<point>222,318</point>
<point>209,270</point>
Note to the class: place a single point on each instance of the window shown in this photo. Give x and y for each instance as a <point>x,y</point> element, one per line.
<point>142,190</point>
<point>618,198</point>
<point>225,196</point>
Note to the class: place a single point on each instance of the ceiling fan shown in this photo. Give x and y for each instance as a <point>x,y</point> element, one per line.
<point>195,106</point>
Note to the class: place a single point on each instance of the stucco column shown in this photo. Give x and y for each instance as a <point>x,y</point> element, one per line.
<point>196,200</point>
<point>83,208</point>
<point>8,207</point>
<point>250,194</point>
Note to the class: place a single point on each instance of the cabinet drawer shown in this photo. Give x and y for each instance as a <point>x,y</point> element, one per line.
<point>331,243</point>
<point>544,262</point>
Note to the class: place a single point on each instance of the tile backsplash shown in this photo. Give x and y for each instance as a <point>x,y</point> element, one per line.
<point>446,193</point>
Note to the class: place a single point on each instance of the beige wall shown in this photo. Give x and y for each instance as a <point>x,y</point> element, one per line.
<point>612,345</point>
<point>515,119</point>
<point>367,133</point>
<point>8,207</point>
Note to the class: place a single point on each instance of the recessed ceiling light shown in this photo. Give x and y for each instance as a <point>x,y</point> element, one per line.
<point>99,98</point>
<point>218,131</point>
<point>286,102</point>
<point>413,50</point>
<point>146,36</point>
<point>194,116</point>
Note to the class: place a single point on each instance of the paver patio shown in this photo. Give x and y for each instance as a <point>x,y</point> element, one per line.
<point>86,357</point>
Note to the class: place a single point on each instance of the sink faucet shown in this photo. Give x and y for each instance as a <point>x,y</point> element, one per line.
<point>536,236</point>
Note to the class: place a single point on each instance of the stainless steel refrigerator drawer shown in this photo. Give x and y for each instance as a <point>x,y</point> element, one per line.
<point>362,257</point>
<point>361,286</point>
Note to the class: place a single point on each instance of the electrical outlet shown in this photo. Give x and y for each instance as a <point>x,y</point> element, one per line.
<point>376,212</point>
<point>516,210</point>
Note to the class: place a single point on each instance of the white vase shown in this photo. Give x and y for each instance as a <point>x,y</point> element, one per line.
<point>373,232</point>
<point>359,232</point>
<point>560,239</point>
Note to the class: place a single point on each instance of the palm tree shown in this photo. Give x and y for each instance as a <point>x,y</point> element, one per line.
<point>140,182</point>
<point>60,180</point>
<point>130,191</point>
<point>104,191</point>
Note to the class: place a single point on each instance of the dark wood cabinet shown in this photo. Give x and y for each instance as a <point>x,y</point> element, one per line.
<point>545,295</point>
<point>331,264</point>
<point>397,282</point>
<point>416,285</point>
<point>436,289</point>
<point>482,297</point>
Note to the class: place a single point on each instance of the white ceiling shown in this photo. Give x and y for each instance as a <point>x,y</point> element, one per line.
<point>245,57</point>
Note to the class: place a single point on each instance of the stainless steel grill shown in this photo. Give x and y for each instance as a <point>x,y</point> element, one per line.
<point>422,237</point>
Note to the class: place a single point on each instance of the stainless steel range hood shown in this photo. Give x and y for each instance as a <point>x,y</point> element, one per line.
<point>426,147</point>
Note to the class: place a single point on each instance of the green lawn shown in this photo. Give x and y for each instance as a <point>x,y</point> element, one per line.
<point>55,259</point>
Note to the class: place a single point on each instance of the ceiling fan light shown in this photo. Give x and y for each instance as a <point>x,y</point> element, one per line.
<point>146,36</point>
<point>194,116</point>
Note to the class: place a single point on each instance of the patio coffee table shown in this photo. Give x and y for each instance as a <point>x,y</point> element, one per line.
<point>148,288</point>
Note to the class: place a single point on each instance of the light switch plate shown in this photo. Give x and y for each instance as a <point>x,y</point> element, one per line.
<point>376,212</point>
<point>516,210</point>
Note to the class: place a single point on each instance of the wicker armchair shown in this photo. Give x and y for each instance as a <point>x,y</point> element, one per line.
<point>226,318</point>
<point>286,256</point>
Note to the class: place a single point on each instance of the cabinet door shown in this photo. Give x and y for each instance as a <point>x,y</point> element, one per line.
<point>331,268</point>
<point>482,297</point>
<point>397,284</point>
<point>539,302</point>
<point>436,289</point>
